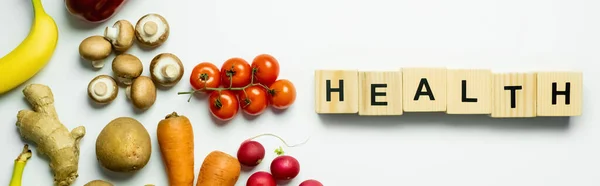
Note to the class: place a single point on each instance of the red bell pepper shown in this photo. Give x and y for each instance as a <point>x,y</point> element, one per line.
<point>94,11</point>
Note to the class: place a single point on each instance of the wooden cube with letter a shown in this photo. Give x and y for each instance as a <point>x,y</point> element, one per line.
<point>336,91</point>
<point>559,93</point>
<point>424,89</point>
<point>514,95</point>
<point>469,91</point>
<point>380,93</point>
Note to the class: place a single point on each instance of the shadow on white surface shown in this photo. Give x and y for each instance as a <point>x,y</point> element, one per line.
<point>437,118</point>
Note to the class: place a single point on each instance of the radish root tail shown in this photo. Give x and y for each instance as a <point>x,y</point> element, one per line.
<point>280,138</point>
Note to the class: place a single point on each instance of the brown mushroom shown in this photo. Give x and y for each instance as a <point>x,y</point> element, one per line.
<point>142,92</point>
<point>103,89</point>
<point>126,67</point>
<point>166,69</point>
<point>95,49</point>
<point>152,30</point>
<point>120,35</point>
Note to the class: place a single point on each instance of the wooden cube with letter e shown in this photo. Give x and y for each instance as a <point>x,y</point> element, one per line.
<point>336,91</point>
<point>380,93</point>
<point>559,93</point>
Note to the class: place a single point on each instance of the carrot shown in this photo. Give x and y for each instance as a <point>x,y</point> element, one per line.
<point>176,142</point>
<point>219,169</point>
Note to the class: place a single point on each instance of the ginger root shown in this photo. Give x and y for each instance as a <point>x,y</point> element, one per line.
<point>42,126</point>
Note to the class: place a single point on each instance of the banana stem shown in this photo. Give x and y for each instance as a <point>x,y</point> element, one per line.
<point>37,7</point>
<point>19,166</point>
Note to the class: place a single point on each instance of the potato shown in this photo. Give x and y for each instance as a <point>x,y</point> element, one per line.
<point>123,145</point>
<point>98,183</point>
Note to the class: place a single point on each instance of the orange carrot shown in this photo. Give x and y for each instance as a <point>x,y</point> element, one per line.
<point>219,169</point>
<point>176,141</point>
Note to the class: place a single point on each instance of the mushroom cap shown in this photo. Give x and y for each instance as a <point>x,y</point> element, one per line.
<point>95,48</point>
<point>121,35</point>
<point>127,67</point>
<point>142,92</point>
<point>103,89</point>
<point>166,69</point>
<point>152,30</point>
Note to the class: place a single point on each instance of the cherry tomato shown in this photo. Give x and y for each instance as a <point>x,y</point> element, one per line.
<point>205,74</point>
<point>282,94</point>
<point>266,69</point>
<point>238,69</point>
<point>254,100</point>
<point>223,104</point>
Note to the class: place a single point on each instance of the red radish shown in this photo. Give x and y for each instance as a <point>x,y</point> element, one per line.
<point>285,167</point>
<point>261,178</point>
<point>251,153</point>
<point>311,182</point>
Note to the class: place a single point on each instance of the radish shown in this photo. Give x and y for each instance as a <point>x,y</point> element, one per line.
<point>311,182</point>
<point>251,153</point>
<point>261,178</point>
<point>284,167</point>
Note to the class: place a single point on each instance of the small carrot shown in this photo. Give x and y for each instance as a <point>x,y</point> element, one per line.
<point>176,142</point>
<point>219,169</point>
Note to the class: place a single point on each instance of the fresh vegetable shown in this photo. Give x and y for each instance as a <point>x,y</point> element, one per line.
<point>127,67</point>
<point>95,49</point>
<point>205,75</point>
<point>19,166</point>
<point>142,93</point>
<point>152,30</point>
<point>103,89</point>
<point>43,127</point>
<point>251,153</point>
<point>223,104</point>
<point>256,86</point>
<point>166,69</point>
<point>34,52</point>
<point>284,167</point>
<point>311,182</point>
<point>94,11</point>
<point>265,68</point>
<point>123,145</point>
<point>253,100</point>
<point>98,183</point>
<point>220,169</point>
<point>282,94</point>
<point>176,141</point>
<point>261,178</point>
<point>121,35</point>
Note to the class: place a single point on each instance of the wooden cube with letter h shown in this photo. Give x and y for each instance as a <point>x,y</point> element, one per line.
<point>380,93</point>
<point>336,91</point>
<point>559,93</point>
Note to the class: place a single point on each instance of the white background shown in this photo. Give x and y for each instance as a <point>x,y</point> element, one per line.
<point>414,149</point>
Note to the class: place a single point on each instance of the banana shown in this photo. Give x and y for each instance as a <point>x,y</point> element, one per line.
<point>32,54</point>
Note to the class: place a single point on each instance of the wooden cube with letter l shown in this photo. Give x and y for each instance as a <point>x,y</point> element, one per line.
<point>380,93</point>
<point>424,89</point>
<point>336,91</point>
<point>514,95</point>
<point>559,93</point>
<point>469,91</point>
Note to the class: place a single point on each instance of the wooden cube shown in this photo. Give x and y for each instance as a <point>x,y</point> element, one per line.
<point>559,93</point>
<point>424,89</point>
<point>380,93</point>
<point>336,91</point>
<point>469,91</point>
<point>514,95</point>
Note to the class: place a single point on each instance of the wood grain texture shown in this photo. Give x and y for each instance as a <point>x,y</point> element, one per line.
<point>525,98</point>
<point>349,101</point>
<point>387,98</point>
<point>478,91</point>
<point>436,78</point>
<point>545,105</point>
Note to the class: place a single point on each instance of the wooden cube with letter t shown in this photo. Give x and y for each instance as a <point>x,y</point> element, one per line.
<point>380,93</point>
<point>424,89</point>
<point>336,91</point>
<point>514,95</point>
<point>469,91</point>
<point>559,93</point>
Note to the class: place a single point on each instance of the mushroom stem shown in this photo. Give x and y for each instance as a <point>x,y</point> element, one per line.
<point>111,33</point>
<point>98,64</point>
<point>100,89</point>
<point>128,92</point>
<point>150,28</point>
<point>170,71</point>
